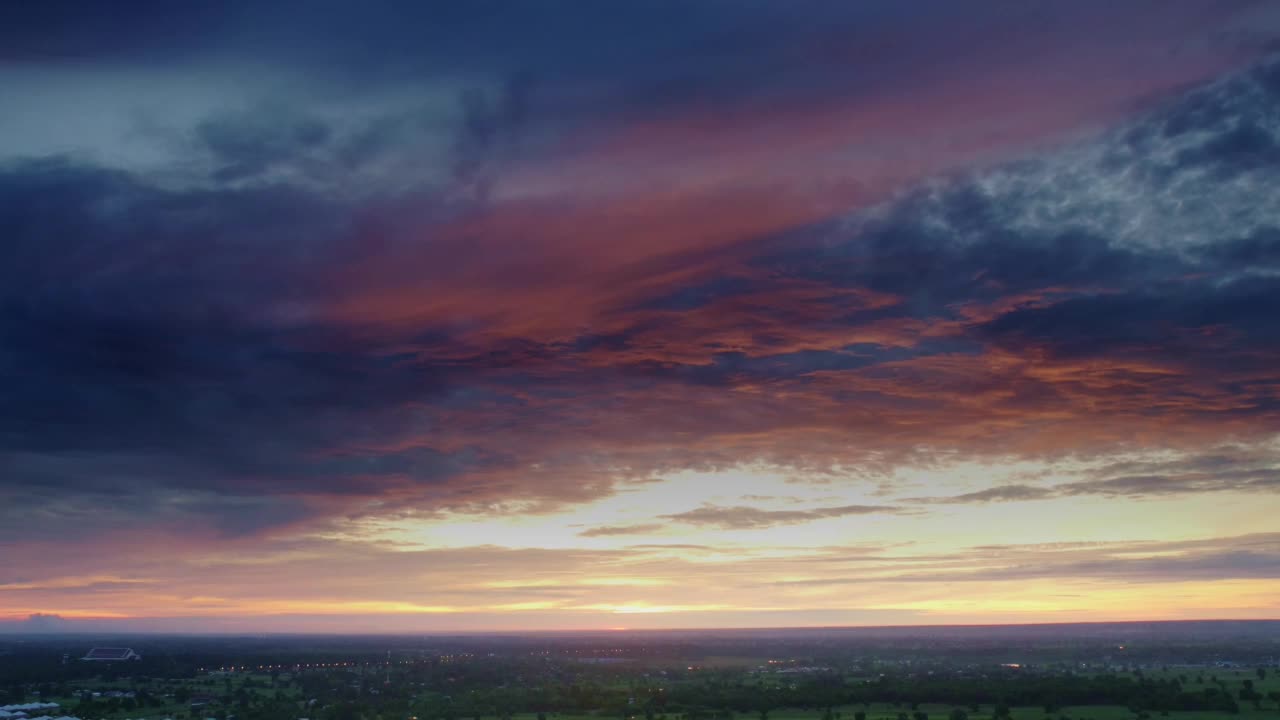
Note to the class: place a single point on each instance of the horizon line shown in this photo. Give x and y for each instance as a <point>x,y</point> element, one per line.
<point>614,631</point>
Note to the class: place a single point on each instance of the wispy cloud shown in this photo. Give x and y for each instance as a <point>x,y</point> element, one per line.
<point>751,517</point>
<point>612,530</point>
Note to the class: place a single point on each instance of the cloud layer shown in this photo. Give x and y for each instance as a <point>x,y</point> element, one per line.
<point>349,283</point>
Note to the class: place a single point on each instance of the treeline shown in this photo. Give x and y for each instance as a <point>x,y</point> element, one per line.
<point>466,693</point>
<point>497,689</point>
<point>1049,691</point>
<point>721,697</point>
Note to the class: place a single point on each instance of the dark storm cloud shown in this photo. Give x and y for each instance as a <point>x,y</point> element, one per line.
<point>942,246</point>
<point>1061,258</point>
<point>253,143</point>
<point>555,35</point>
<point>637,58</point>
<point>661,53</point>
<point>172,348</point>
<point>1152,322</point>
<point>968,240</point>
<point>1230,130</point>
<point>976,239</point>
<point>152,363</point>
<point>1259,251</point>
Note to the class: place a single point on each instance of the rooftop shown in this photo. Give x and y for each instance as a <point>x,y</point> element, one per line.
<point>108,653</point>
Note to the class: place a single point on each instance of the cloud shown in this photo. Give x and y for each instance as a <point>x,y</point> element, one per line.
<point>1155,485</point>
<point>612,530</point>
<point>742,517</point>
<point>1002,493</point>
<point>966,310</point>
<point>1227,469</point>
<point>39,623</point>
<point>482,260</point>
<point>1203,561</point>
<point>207,588</point>
<point>1246,557</point>
<point>252,144</point>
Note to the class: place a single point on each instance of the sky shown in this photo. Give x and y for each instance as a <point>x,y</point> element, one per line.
<point>561,314</point>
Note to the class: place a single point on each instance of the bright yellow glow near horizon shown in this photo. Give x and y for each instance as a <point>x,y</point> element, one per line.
<point>750,546</point>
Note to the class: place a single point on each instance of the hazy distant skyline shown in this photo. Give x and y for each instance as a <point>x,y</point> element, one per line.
<point>413,317</point>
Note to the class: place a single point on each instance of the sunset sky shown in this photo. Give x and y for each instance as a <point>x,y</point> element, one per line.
<point>581,314</point>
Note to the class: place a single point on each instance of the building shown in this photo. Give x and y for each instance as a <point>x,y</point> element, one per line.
<point>112,654</point>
